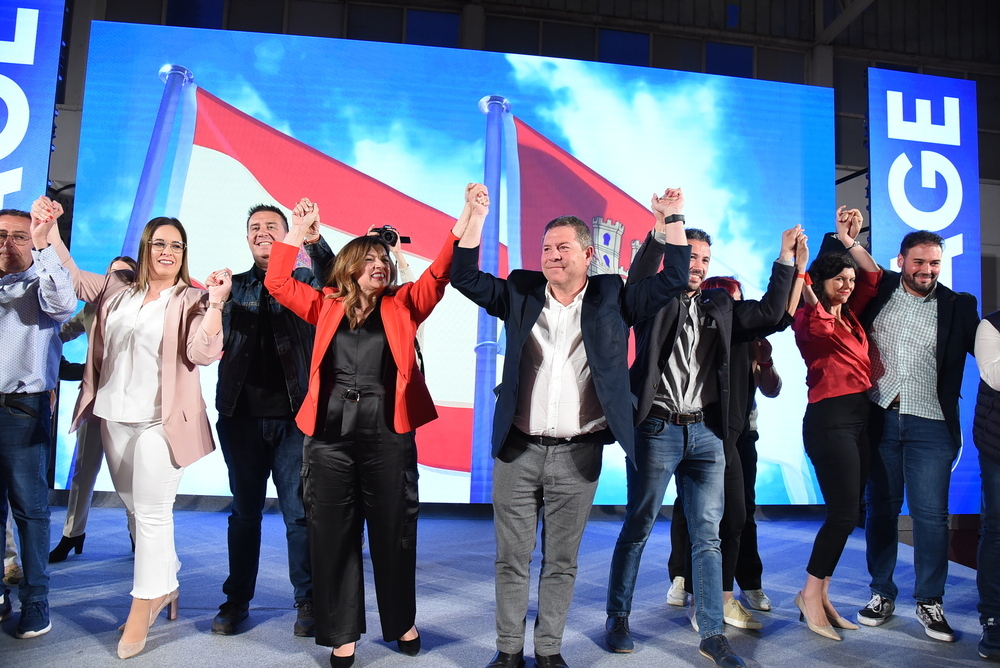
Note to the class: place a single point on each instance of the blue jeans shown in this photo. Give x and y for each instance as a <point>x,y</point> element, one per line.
<point>24,463</point>
<point>695,455</point>
<point>915,453</point>
<point>988,576</point>
<point>255,448</point>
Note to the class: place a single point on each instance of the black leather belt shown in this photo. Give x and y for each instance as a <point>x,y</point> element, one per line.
<point>354,396</point>
<point>14,400</point>
<point>893,405</point>
<point>682,419</point>
<point>549,441</point>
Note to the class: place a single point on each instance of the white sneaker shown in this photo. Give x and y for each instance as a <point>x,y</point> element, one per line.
<point>756,599</point>
<point>736,615</point>
<point>676,594</point>
<point>693,618</point>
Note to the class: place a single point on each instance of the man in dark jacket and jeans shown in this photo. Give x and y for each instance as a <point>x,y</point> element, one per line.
<point>263,377</point>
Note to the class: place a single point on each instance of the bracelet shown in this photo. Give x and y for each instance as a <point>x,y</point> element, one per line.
<point>766,365</point>
<point>307,242</point>
<point>217,305</point>
<point>856,243</point>
<point>674,218</point>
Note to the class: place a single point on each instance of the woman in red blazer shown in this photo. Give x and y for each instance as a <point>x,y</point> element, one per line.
<point>366,395</point>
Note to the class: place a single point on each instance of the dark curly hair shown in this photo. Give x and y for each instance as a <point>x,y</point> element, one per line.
<point>824,268</point>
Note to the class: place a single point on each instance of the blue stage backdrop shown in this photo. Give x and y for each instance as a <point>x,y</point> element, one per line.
<point>203,124</point>
<point>923,144</point>
<point>30,36</point>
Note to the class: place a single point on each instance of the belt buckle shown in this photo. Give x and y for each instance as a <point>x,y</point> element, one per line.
<point>352,395</point>
<point>684,419</point>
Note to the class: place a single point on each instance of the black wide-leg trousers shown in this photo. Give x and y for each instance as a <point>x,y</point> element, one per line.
<point>369,477</point>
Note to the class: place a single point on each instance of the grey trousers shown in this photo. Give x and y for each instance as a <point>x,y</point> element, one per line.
<point>560,481</point>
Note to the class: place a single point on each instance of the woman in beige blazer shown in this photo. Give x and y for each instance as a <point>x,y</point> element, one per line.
<point>151,331</point>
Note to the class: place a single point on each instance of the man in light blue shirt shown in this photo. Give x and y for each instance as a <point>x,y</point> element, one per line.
<point>36,297</point>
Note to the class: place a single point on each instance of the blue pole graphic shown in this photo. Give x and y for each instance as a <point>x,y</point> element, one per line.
<point>481,486</point>
<point>174,77</point>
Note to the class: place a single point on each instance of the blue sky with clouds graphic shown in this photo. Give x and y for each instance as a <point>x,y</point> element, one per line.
<point>753,157</point>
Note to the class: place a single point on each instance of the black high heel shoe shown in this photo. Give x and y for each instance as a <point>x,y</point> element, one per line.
<point>342,661</point>
<point>409,647</point>
<point>61,551</point>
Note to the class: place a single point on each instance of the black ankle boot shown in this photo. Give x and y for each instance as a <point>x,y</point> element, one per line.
<point>61,551</point>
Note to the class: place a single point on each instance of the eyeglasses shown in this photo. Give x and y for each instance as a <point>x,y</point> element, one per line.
<point>159,245</point>
<point>19,238</point>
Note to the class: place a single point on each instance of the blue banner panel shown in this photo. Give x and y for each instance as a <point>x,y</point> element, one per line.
<point>30,37</point>
<point>924,175</point>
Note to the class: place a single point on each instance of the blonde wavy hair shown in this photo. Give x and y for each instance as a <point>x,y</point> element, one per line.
<point>349,262</point>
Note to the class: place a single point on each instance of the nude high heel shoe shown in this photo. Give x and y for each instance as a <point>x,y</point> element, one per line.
<point>825,631</point>
<point>841,623</point>
<point>130,649</point>
<point>172,600</point>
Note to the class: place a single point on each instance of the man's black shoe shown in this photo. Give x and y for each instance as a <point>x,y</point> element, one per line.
<point>231,614</point>
<point>717,649</point>
<point>553,661</point>
<point>618,637</point>
<point>304,624</point>
<point>505,660</point>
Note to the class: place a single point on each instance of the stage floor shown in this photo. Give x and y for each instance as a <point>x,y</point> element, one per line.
<point>89,599</point>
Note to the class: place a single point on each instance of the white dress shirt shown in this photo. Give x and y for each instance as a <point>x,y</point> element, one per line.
<point>130,389</point>
<point>556,395</point>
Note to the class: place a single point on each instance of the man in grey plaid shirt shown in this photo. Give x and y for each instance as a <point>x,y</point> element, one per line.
<point>919,332</point>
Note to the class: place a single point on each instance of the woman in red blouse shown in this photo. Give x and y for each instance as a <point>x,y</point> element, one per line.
<point>835,349</point>
<point>366,396</point>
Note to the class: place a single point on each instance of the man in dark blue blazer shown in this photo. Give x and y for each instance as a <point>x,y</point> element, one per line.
<point>564,395</point>
<point>920,333</point>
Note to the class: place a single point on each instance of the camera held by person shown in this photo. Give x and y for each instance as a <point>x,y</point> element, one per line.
<point>389,235</point>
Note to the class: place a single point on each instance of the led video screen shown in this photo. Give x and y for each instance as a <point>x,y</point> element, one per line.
<point>204,124</point>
